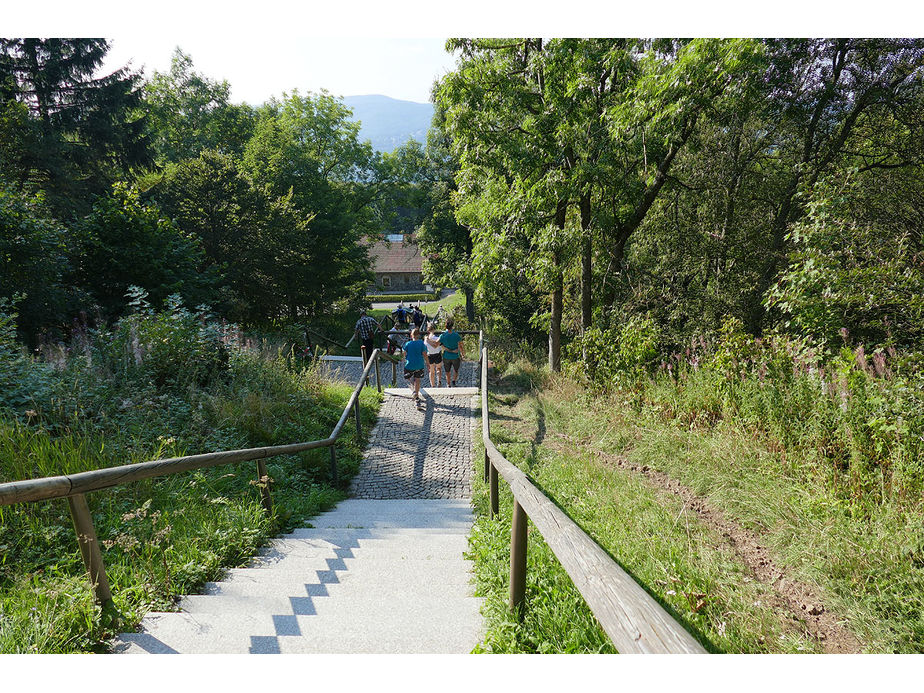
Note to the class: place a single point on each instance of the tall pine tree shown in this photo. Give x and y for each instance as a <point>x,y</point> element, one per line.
<point>89,131</point>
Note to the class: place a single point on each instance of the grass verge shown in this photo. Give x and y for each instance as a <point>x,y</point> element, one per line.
<point>567,441</point>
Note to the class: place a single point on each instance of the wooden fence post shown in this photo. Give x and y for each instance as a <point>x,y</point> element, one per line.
<point>359,425</point>
<point>492,482</point>
<point>378,375</point>
<point>333,463</point>
<point>487,428</point>
<point>89,547</point>
<point>518,560</point>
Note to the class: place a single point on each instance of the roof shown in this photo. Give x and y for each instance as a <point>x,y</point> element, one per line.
<point>395,257</point>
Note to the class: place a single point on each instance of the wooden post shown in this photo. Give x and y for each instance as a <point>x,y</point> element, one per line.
<point>333,464</point>
<point>518,560</point>
<point>480,355</point>
<point>493,484</point>
<point>89,547</point>
<point>266,500</point>
<point>359,425</point>
<point>378,375</point>
<point>487,428</point>
<point>362,349</point>
<point>394,374</point>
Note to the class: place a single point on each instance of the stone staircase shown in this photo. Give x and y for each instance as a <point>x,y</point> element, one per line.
<point>370,576</point>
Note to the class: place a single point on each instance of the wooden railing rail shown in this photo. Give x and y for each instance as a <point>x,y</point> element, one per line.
<point>633,620</point>
<point>75,486</point>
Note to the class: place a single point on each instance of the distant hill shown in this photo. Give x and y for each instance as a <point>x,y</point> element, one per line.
<point>388,123</point>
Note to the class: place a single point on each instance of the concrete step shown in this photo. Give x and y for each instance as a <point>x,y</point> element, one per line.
<point>305,605</point>
<point>401,585</point>
<point>454,585</point>
<point>181,633</point>
<point>441,632</point>
<point>405,548</point>
<point>380,570</point>
<point>341,535</point>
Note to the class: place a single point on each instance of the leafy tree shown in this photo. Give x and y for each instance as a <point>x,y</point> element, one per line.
<point>592,126</point>
<point>267,252</point>
<point>306,146</point>
<point>33,262</point>
<point>126,242</point>
<point>445,244</point>
<point>820,91</point>
<point>854,266</point>
<point>187,113</point>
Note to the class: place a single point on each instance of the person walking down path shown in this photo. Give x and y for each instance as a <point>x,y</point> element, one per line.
<point>453,352</point>
<point>400,316</point>
<point>434,357</point>
<point>417,317</point>
<point>364,331</point>
<point>395,340</point>
<point>414,363</point>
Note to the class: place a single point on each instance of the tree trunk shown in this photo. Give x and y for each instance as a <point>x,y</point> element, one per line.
<point>557,291</point>
<point>469,303</point>
<point>555,330</point>
<point>586,263</point>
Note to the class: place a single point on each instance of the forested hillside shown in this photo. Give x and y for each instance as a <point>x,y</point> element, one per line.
<point>715,247</point>
<point>389,123</point>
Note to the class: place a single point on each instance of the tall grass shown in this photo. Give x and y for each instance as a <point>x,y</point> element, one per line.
<point>853,420</point>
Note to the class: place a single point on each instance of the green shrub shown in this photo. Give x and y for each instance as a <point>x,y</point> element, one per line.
<point>171,349</point>
<point>406,298</point>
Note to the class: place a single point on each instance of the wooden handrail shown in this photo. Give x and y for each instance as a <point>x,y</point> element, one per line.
<point>326,339</point>
<point>74,486</point>
<point>634,621</point>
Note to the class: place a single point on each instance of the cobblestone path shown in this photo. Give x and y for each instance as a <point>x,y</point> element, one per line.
<point>419,452</point>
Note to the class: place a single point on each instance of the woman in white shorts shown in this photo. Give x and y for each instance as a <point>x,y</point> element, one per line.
<point>434,357</point>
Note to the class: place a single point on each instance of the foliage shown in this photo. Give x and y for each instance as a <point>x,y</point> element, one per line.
<point>305,147</point>
<point>261,247</point>
<point>186,113</point>
<point>86,128</point>
<point>33,261</point>
<point>623,352</point>
<point>850,270</point>
<point>125,241</point>
<point>137,392</point>
<point>21,381</point>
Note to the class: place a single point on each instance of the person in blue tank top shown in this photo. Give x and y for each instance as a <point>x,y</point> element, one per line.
<point>453,352</point>
<point>415,363</point>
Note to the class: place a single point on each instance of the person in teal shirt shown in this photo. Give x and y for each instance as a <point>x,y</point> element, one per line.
<point>453,352</point>
<point>415,362</point>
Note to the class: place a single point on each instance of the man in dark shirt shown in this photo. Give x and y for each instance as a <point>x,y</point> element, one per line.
<point>364,331</point>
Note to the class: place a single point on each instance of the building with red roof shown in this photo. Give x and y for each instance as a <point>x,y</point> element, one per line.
<point>397,264</point>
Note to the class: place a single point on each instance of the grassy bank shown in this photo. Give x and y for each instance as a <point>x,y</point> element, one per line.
<point>604,459</point>
<point>167,536</point>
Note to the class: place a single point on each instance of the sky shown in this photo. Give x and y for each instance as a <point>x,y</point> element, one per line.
<point>396,47</point>
<point>402,68</point>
